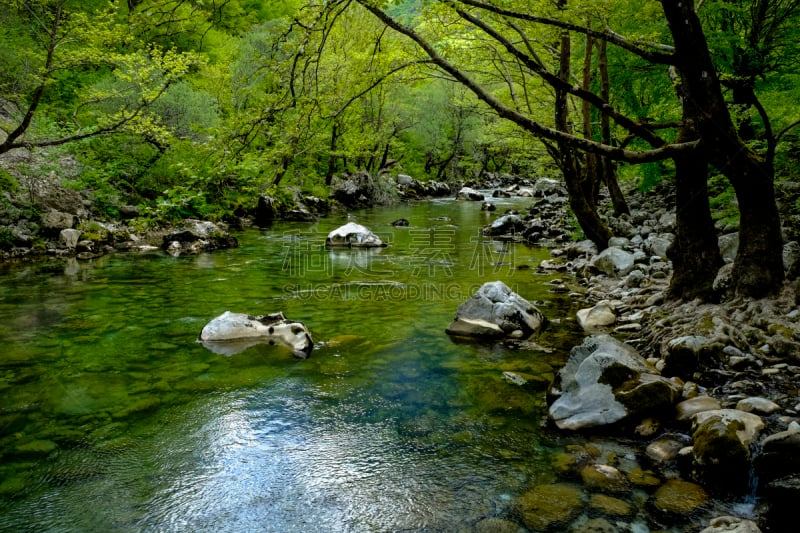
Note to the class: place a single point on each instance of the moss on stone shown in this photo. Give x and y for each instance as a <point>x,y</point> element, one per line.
<point>549,507</point>
<point>645,479</point>
<point>610,506</point>
<point>678,499</point>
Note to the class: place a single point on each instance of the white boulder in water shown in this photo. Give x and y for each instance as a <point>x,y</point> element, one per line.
<point>232,333</point>
<point>353,235</point>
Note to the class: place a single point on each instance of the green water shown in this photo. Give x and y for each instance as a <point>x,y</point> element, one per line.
<point>113,417</point>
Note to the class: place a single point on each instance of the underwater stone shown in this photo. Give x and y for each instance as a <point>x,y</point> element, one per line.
<point>549,506</point>
<point>677,500</point>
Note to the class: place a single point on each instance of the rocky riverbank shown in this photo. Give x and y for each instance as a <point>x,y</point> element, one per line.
<point>704,394</point>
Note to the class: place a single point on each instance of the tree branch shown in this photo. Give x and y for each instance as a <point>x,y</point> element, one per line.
<point>375,84</point>
<point>665,152</point>
<point>663,56</point>
<point>561,85</point>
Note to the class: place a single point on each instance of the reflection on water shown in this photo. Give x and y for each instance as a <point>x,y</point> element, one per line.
<point>113,416</point>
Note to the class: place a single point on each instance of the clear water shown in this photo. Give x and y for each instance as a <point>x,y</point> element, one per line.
<point>112,416</point>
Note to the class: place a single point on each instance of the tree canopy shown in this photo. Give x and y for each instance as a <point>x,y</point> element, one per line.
<point>192,107</point>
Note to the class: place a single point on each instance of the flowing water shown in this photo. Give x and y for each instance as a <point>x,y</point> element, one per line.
<point>113,416</point>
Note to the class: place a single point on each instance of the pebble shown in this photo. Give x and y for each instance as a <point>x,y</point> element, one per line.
<point>688,408</point>
<point>757,404</point>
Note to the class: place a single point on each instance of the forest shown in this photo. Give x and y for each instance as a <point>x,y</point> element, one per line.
<point>194,108</point>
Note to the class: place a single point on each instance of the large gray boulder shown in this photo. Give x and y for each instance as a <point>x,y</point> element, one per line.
<point>54,221</point>
<point>70,237</point>
<point>728,246</point>
<point>495,310</point>
<point>232,333</point>
<point>657,245</point>
<point>548,187</point>
<point>613,262</point>
<point>596,318</point>
<point>353,235</point>
<point>604,382</point>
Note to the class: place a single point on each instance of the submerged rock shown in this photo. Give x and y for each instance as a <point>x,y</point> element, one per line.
<point>546,507</point>
<point>353,235</point>
<point>494,311</point>
<point>232,333</point>
<point>676,500</point>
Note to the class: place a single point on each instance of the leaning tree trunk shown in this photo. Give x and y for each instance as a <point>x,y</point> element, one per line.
<point>607,167</point>
<point>758,268</point>
<point>581,198</point>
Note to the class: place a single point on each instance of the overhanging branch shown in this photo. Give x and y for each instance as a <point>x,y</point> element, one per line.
<point>612,152</point>
<point>663,55</point>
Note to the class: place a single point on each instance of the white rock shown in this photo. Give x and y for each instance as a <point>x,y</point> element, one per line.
<point>600,316</point>
<point>231,333</point>
<point>353,235</point>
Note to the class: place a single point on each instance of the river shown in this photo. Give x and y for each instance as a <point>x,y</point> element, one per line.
<point>114,417</point>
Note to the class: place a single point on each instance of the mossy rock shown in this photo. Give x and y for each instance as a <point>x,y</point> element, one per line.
<point>564,462</point>
<point>644,479</point>
<point>780,329</point>
<point>36,448</point>
<point>604,478</point>
<point>550,507</point>
<point>677,500</point>
<point>610,506</point>
<point>141,405</point>
<point>12,485</point>
<point>498,525</point>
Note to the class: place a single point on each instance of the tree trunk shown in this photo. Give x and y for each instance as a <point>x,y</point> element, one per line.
<point>695,252</point>
<point>758,268</point>
<point>606,166</point>
<point>582,204</point>
<point>332,155</point>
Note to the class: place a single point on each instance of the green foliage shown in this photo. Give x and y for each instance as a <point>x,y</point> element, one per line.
<point>176,204</point>
<point>722,199</point>
<point>92,231</point>
<point>7,181</point>
<point>651,175</point>
<point>6,238</point>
